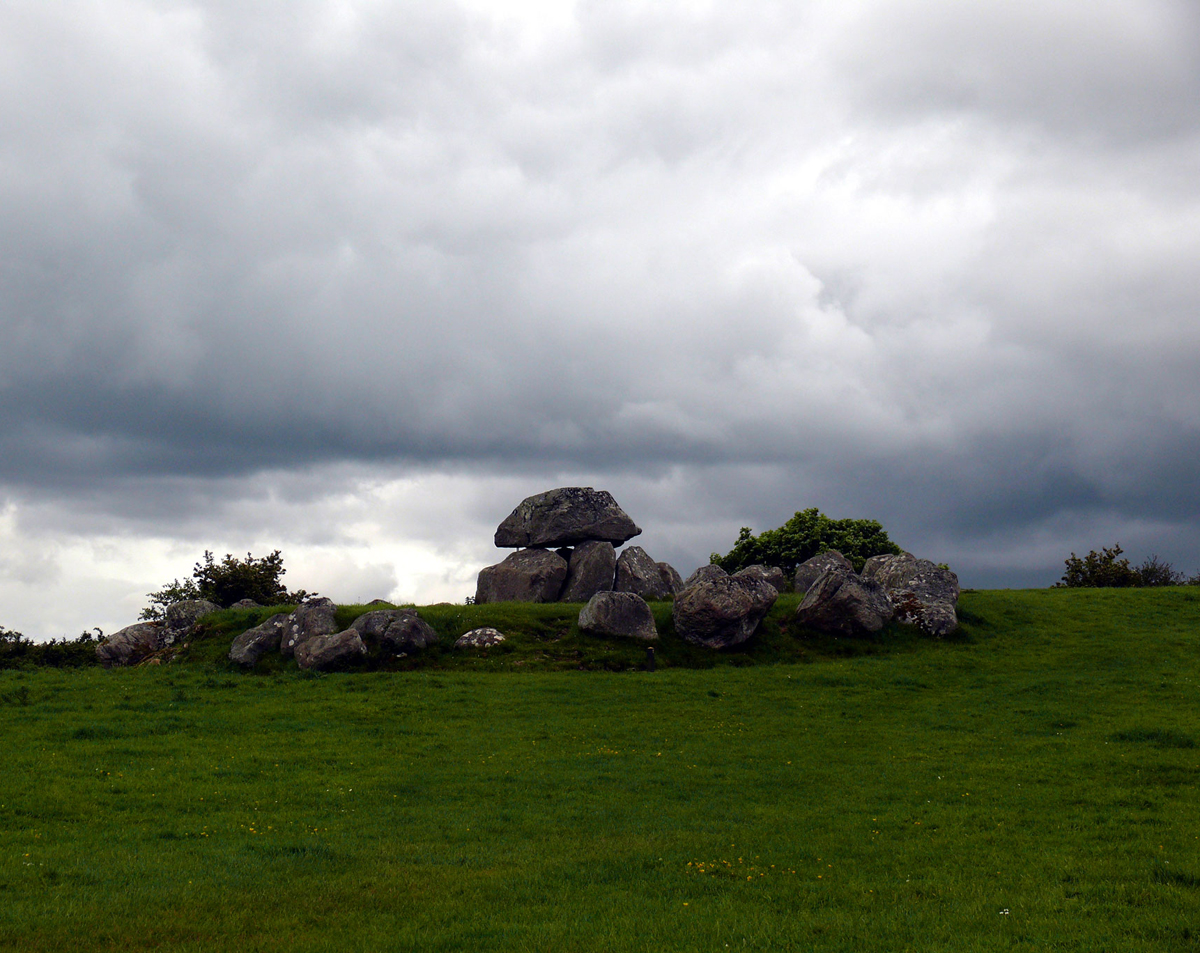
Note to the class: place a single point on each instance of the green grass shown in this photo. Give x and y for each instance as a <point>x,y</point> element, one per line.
<point>1032,785</point>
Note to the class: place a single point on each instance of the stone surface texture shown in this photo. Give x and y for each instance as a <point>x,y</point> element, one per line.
<point>670,577</point>
<point>592,568</point>
<point>843,603</point>
<point>313,618</point>
<point>325,652</point>
<point>773,576</point>
<point>717,610</point>
<point>565,516</point>
<point>395,631</point>
<point>924,593</point>
<point>620,614</point>
<point>528,575</point>
<point>254,643</point>
<point>811,570</point>
<point>130,645</point>
<point>480,638</point>
<point>181,616</point>
<point>638,573</point>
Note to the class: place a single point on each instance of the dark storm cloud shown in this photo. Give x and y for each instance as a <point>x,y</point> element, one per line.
<point>925,262</point>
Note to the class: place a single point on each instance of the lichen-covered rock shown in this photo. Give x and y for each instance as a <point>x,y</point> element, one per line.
<point>562,517</point>
<point>395,631</point>
<point>620,614</point>
<point>130,645</point>
<point>924,593</point>
<point>811,570</point>
<point>591,569</point>
<point>311,619</point>
<point>717,610</point>
<point>254,643</point>
<point>670,577</point>
<point>528,575</point>
<point>843,603</point>
<point>638,573</point>
<point>773,576</point>
<point>326,652</point>
<point>181,616</point>
<point>480,638</point>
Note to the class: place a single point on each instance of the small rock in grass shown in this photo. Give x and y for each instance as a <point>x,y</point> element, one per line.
<point>479,638</point>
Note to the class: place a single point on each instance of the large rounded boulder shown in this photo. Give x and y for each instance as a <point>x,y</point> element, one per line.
<point>181,616</point>
<point>591,568</point>
<point>843,603</point>
<point>130,645</point>
<point>618,614</point>
<point>813,569</point>
<point>395,631</point>
<point>719,611</point>
<point>528,575</point>
<point>324,653</point>
<point>924,593</point>
<point>310,620</point>
<point>254,643</point>
<point>563,517</point>
<point>639,574</point>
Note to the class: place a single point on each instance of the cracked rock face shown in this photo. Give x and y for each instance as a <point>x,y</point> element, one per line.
<point>717,610</point>
<point>843,603</point>
<point>924,593</point>
<point>591,568</point>
<point>563,517</point>
<point>638,573</point>
<point>811,570</point>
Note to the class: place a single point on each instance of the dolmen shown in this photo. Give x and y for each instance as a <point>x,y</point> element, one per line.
<point>901,588</point>
<point>566,551</point>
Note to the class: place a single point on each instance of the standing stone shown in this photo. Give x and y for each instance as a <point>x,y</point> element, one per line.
<point>254,643</point>
<point>637,572</point>
<point>811,570</point>
<point>528,575</point>
<point>924,594</point>
<point>311,619</point>
<point>843,603</point>
<point>670,577</point>
<point>326,652</point>
<point>773,576</point>
<point>565,516</point>
<point>181,616</point>
<point>395,631</point>
<point>592,567</point>
<point>130,645</point>
<point>717,610</point>
<point>621,614</point>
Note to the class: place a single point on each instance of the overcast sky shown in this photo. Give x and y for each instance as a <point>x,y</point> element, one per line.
<point>351,279</point>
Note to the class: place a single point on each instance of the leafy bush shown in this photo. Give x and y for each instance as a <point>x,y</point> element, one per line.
<point>17,651</point>
<point>1105,570</point>
<point>227,582</point>
<point>805,535</point>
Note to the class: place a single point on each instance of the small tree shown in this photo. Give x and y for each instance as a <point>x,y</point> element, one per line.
<point>805,535</point>
<point>1099,570</point>
<point>227,582</point>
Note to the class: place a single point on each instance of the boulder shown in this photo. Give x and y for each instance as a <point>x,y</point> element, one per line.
<point>254,643</point>
<point>717,610</point>
<point>528,575</point>
<point>811,570</point>
<point>773,576</point>
<point>325,652</point>
<point>638,573</point>
<point>479,638</point>
<point>568,515</point>
<point>623,614</point>
<point>311,619</point>
<point>591,569</point>
<point>130,645</point>
<point>395,631</point>
<point>924,593</point>
<point>843,603</point>
<point>245,604</point>
<point>670,577</point>
<point>181,616</point>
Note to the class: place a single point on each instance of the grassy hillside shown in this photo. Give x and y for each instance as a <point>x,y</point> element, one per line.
<point>1030,786</point>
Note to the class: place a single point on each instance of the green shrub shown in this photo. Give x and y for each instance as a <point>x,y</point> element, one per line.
<point>17,651</point>
<point>805,535</point>
<point>227,582</point>
<point>1105,570</point>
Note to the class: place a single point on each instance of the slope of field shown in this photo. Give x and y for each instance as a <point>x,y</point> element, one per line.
<point>1030,786</point>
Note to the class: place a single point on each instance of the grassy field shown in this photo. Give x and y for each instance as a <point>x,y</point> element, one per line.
<point>1032,785</point>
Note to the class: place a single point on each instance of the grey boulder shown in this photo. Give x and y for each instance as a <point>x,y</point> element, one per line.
<point>924,593</point>
<point>843,603</point>
<point>130,645</point>
<point>254,643</point>
<point>245,604</point>
<point>563,517</point>
<point>480,638</point>
<point>528,575</point>
<point>591,569</point>
<point>719,611</point>
<point>773,576</point>
<point>638,573</point>
<point>395,631</point>
<point>670,577</point>
<point>811,570</point>
<point>325,652</point>
<point>310,620</point>
<point>181,616</point>
<point>621,614</point>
